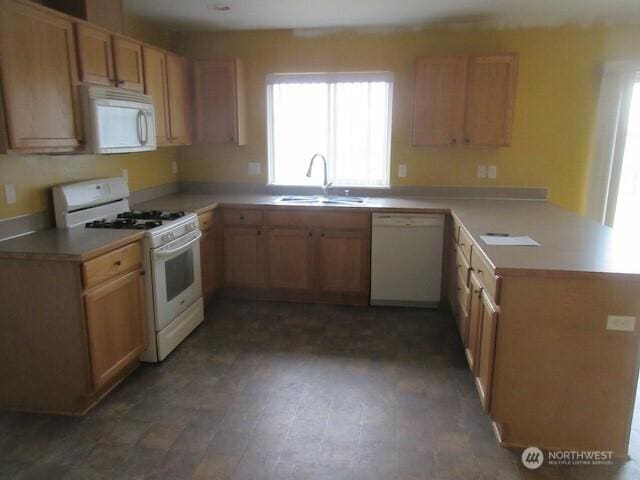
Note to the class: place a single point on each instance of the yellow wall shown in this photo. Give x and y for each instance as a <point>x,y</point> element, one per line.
<point>555,107</point>
<point>33,175</point>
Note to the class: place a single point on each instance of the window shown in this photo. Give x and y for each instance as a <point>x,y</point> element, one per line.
<point>344,116</point>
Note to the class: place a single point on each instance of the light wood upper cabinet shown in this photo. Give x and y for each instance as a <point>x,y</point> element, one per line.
<point>343,262</point>
<point>179,99</point>
<point>127,54</point>
<point>438,110</point>
<point>39,77</point>
<point>464,100</point>
<point>155,81</point>
<point>95,55</point>
<point>490,100</point>
<point>244,257</point>
<point>220,101</point>
<point>291,259</point>
<point>115,328</point>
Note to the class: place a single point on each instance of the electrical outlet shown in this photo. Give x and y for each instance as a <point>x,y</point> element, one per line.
<point>9,193</point>
<point>482,171</point>
<point>493,171</point>
<point>174,167</point>
<point>125,175</point>
<point>621,323</point>
<point>402,170</point>
<point>254,168</point>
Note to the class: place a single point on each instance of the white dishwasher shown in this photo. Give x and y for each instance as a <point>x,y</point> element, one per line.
<point>406,259</point>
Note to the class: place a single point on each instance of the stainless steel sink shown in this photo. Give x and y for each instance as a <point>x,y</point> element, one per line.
<point>299,199</point>
<point>344,200</point>
<point>315,199</point>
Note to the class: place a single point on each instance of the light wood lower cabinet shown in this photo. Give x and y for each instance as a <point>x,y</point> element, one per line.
<point>116,334</point>
<point>291,259</point>
<point>209,254</point>
<point>486,349</point>
<point>74,333</point>
<point>297,254</point>
<point>343,262</point>
<point>474,321</point>
<point>244,257</point>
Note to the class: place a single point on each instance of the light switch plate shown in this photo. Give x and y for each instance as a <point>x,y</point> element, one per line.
<point>402,170</point>
<point>174,167</point>
<point>621,323</point>
<point>254,168</point>
<point>9,193</point>
<point>492,172</point>
<point>482,171</point>
<point>125,175</point>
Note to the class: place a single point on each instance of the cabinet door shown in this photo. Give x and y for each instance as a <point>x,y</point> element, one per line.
<point>474,321</point>
<point>39,77</point>
<point>244,257</point>
<point>438,109</point>
<point>220,103</point>
<point>343,262</point>
<point>95,55</point>
<point>155,84</point>
<point>209,256</point>
<point>486,350</point>
<point>490,100</point>
<point>115,326</point>
<point>128,61</point>
<point>291,258</point>
<point>179,104</point>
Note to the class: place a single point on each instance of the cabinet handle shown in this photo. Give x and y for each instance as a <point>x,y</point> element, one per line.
<point>311,234</point>
<point>241,217</point>
<point>467,140</point>
<point>479,271</point>
<point>117,263</point>
<point>322,234</point>
<point>259,233</point>
<point>462,244</point>
<point>119,82</point>
<point>453,140</point>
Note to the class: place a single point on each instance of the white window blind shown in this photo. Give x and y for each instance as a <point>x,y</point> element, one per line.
<point>344,116</point>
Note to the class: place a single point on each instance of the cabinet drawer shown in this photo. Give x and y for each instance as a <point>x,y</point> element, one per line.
<point>462,266</point>
<point>485,274</point>
<point>242,216</point>
<point>111,264</point>
<point>298,218</point>
<point>465,243</point>
<point>206,220</point>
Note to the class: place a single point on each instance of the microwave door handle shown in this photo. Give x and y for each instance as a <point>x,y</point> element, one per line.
<point>146,129</point>
<point>139,126</point>
<point>181,248</point>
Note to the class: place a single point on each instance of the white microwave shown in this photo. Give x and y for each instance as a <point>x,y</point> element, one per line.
<point>117,121</point>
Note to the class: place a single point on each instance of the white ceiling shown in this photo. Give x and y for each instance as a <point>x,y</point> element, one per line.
<point>265,14</point>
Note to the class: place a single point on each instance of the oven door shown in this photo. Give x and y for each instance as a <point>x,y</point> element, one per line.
<point>176,277</point>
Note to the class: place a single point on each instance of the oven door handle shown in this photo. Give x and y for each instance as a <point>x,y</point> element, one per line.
<point>180,249</point>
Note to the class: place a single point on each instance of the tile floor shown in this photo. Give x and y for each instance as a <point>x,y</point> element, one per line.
<point>284,391</point>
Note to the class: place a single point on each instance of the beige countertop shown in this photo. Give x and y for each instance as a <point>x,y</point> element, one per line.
<point>569,242</point>
<point>76,244</point>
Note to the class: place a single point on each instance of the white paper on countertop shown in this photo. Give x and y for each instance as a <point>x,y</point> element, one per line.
<point>512,240</point>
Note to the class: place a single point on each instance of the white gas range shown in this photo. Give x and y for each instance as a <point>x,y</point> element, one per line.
<point>171,253</point>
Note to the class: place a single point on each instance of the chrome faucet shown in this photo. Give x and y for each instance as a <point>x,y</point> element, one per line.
<point>325,183</point>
